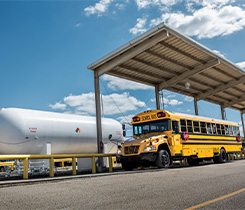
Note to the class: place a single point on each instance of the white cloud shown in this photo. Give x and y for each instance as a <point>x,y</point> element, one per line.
<point>116,83</point>
<point>241,65</point>
<point>99,8</point>
<point>125,119</point>
<point>207,22</point>
<point>172,102</point>
<point>78,25</point>
<point>58,105</point>
<point>142,4</point>
<point>188,98</point>
<point>85,103</point>
<point>218,53</point>
<point>139,27</point>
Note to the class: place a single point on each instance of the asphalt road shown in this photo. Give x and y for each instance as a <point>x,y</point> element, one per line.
<point>175,188</point>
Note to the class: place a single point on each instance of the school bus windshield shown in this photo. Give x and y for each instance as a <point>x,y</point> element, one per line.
<point>152,127</point>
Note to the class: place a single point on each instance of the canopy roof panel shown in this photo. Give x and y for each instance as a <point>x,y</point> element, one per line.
<point>165,58</point>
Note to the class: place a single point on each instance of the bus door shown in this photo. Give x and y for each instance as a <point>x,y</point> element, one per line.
<point>176,138</point>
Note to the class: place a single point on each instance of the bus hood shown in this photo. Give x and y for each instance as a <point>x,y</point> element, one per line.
<point>142,139</point>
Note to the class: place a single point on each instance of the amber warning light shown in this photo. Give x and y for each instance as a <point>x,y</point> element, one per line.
<point>161,114</point>
<point>136,119</point>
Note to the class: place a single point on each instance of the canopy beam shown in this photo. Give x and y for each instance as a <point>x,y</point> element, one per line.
<point>132,52</point>
<point>219,88</point>
<point>189,73</point>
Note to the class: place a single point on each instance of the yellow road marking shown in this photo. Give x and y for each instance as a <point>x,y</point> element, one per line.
<point>215,200</point>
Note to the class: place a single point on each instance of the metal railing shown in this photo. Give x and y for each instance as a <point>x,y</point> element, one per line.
<point>51,158</point>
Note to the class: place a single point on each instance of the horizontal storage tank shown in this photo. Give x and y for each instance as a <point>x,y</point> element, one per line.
<point>28,132</point>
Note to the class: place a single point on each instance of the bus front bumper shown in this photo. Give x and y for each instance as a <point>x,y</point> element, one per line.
<point>139,159</point>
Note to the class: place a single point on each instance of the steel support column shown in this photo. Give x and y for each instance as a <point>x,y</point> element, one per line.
<point>195,105</point>
<point>98,117</point>
<point>157,96</point>
<point>222,112</point>
<point>243,127</point>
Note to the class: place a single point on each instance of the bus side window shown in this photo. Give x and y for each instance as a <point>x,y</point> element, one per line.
<point>183,125</point>
<point>227,130</point>
<point>218,129</point>
<point>223,129</point>
<point>230,129</point>
<point>209,128</point>
<point>189,126</point>
<point>175,126</point>
<point>237,131</point>
<point>196,126</point>
<point>234,130</point>
<point>214,128</point>
<point>203,127</point>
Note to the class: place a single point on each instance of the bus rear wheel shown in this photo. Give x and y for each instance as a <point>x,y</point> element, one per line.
<point>222,158</point>
<point>163,159</point>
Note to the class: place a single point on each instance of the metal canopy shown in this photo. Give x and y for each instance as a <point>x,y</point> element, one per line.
<point>166,59</point>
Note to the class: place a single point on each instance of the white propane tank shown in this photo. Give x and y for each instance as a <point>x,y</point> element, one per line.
<point>25,131</point>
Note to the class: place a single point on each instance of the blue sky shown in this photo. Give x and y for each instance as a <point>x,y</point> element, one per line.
<point>46,46</point>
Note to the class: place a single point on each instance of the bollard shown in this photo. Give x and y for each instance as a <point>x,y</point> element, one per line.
<point>110,163</point>
<point>74,167</point>
<point>180,162</point>
<point>228,157</point>
<point>25,168</point>
<point>232,156</point>
<point>237,156</point>
<point>93,165</point>
<point>51,167</point>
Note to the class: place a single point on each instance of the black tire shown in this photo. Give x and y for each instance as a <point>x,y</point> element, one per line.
<point>192,162</point>
<point>222,156</point>
<point>163,159</point>
<point>128,166</point>
<point>2,169</point>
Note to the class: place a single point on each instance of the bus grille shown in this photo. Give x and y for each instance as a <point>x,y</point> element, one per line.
<point>131,150</point>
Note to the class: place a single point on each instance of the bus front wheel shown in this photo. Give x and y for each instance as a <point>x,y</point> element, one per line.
<point>163,159</point>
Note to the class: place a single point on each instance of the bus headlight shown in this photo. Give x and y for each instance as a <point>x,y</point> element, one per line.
<point>148,149</point>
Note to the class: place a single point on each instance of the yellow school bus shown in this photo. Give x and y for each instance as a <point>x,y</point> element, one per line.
<point>160,137</point>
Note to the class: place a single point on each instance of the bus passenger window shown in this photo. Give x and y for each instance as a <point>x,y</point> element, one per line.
<point>175,126</point>
<point>189,126</point>
<point>209,128</point>
<point>196,126</point>
<point>234,131</point>
<point>214,128</point>
<point>218,129</point>
<point>237,131</point>
<point>203,127</point>
<point>230,129</point>
<point>223,129</point>
<point>227,130</point>
<point>183,125</point>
